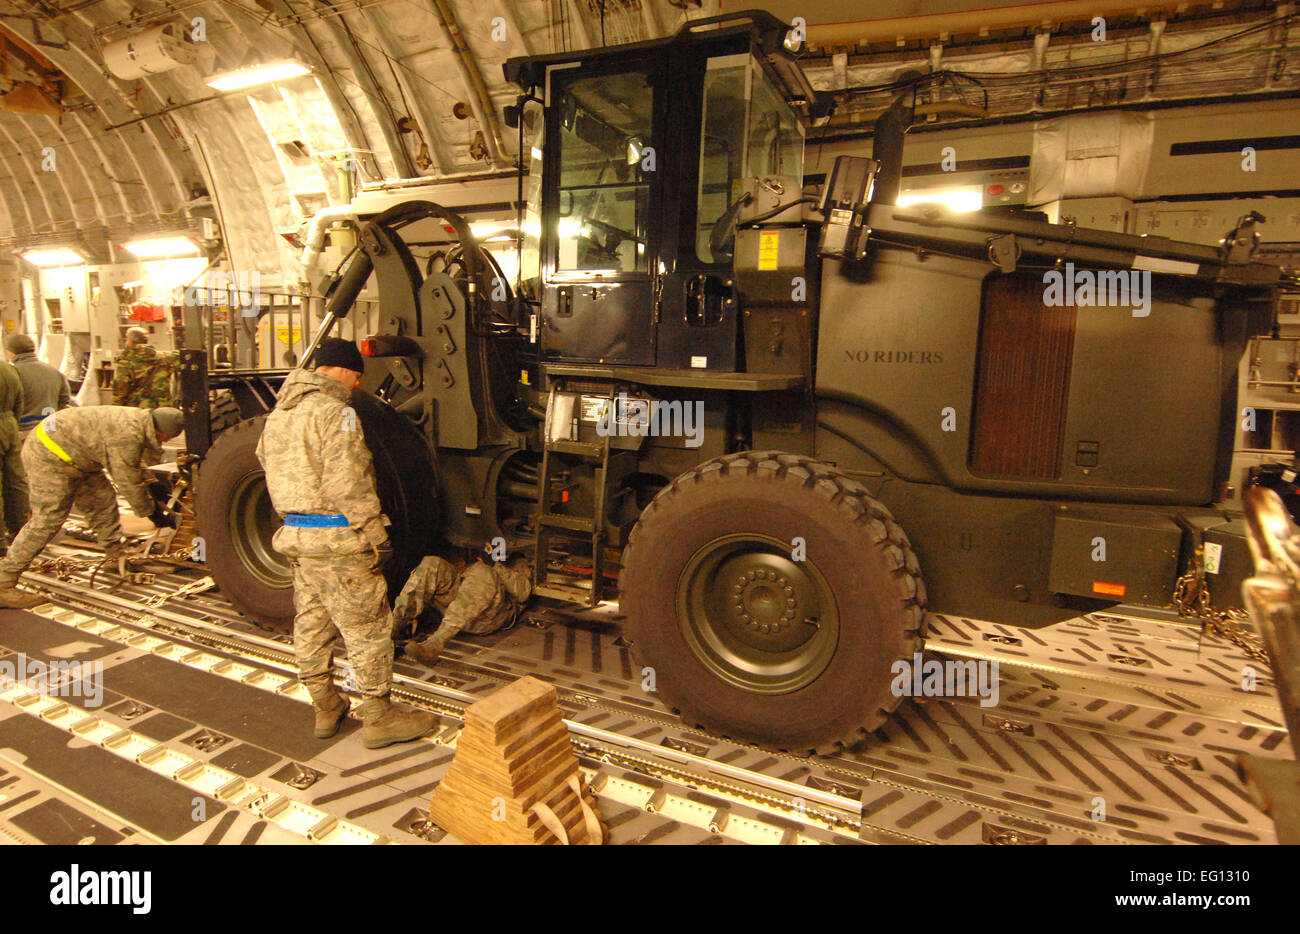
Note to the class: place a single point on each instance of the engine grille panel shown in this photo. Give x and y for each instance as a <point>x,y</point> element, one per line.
<point>1022,380</point>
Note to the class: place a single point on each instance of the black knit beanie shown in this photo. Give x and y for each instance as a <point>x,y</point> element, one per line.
<point>334,351</point>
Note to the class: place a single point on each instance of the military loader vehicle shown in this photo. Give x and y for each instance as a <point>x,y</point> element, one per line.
<point>780,425</point>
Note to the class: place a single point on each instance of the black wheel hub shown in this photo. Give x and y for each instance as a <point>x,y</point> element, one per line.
<point>755,617</point>
<point>253,523</point>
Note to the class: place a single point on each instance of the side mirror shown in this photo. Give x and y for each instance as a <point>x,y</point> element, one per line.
<point>511,115</point>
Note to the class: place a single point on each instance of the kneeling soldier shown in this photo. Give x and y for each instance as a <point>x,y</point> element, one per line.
<point>65,461</point>
<point>321,478</point>
<point>482,600</point>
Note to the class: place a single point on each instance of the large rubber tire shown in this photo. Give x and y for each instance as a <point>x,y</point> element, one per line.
<point>709,564</point>
<point>223,411</point>
<point>236,520</point>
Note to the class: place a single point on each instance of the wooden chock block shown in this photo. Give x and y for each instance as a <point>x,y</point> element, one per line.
<point>515,777</point>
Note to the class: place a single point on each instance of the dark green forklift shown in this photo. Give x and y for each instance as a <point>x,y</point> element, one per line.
<point>778,418</point>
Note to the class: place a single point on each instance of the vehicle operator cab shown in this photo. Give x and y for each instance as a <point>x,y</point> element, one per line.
<point>641,160</point>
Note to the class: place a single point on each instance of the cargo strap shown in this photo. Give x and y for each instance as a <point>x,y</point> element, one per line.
<point>193,587</point>
<point>50,443</point>
<point>551,821</point>
<point>306,520</point>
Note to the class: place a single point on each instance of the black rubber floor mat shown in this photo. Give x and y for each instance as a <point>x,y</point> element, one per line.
<point>88,703</point>
<point>54,822</point>
<point>35,635</point>
<point>133,793</point>
<point>246,713</point>
<point>162,726</point>
<point>245,760</point>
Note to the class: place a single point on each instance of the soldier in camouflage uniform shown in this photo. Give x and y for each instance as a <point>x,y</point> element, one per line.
<point>482,600</point>
<point>13,479</point>
<point>321,478</point>
<point>142,376</point>
<point>66,459</point>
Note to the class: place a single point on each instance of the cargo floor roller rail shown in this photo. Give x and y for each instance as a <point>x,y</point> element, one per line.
<point>780,424</point>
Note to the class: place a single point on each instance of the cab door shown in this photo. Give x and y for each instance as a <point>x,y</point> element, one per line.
<point>731,125</point>
<point>601,209</point>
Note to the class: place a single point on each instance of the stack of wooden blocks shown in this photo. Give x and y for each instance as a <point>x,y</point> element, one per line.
<point>515,778</point>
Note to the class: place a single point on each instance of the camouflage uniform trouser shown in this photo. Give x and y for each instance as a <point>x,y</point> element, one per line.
<point>14,489</point>
<point>56,487</point>
<point>342,595</point>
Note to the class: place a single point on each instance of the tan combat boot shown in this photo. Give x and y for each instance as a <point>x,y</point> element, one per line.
<point>387,723</point>
<point>331,711</point>
<point>331,707</point>
<point>11,596</point>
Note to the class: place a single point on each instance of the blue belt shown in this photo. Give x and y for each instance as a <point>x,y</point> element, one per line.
<point>307,520</point>
<point>30,419</point>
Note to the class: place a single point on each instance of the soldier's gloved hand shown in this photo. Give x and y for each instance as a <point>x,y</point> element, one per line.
<point>162,520</point>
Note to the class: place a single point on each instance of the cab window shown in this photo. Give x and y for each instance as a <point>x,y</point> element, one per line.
<point>748,132</point>
<point>530,257</point>
<point>722,143</point>
<point>606,162</point>
<point>775,141</point>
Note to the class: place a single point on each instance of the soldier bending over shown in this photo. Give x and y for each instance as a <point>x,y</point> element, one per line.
<point>66,459</point>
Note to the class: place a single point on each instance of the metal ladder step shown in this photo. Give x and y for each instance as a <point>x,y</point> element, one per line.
<point>567,592</point>
<point>569,523</point>
<point>579,448</point>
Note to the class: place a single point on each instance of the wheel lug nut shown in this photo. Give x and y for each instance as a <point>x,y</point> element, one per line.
<point>765,627</point>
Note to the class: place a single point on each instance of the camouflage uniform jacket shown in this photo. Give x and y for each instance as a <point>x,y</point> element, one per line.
<point>11,404</point>
<point>481,599</point>
<point>116,438</point>
<point>316,462</point>
<point>143,377</point>
<point>44,387</point>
